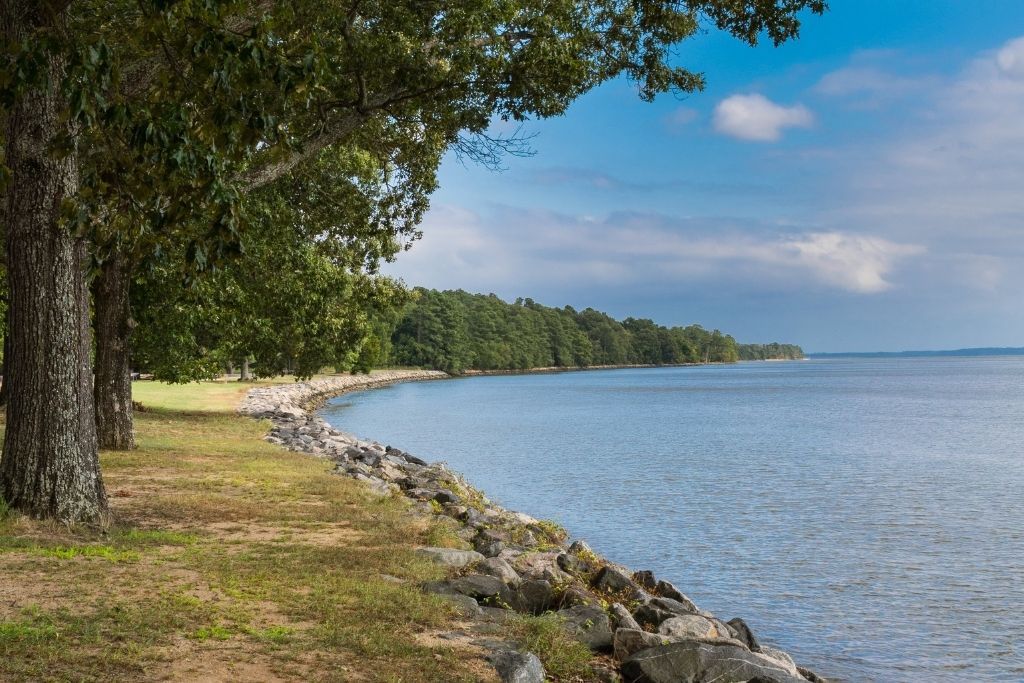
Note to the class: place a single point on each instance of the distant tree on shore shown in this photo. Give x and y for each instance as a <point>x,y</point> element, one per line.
<point>456,331</point>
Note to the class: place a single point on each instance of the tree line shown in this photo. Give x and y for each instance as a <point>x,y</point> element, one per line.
<point>773,351</point>
<point>456,331</point>
<point>182,179</point>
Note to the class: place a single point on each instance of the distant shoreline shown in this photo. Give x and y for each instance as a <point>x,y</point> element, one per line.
<point>954,353</point>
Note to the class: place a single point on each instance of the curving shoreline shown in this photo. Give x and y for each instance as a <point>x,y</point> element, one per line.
<point>647,630</point>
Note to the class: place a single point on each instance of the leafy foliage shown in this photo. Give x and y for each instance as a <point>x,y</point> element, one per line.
<point>455,331</point>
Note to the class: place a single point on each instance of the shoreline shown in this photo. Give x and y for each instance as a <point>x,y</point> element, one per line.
<point>638,627</point>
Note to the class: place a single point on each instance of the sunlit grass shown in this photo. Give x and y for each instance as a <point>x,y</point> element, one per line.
<point>222,540</point>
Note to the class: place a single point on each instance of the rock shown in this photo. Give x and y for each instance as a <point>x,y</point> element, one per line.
<point>651,616</point>
<point>627,641</point>
<point>590,625</point>
<point>478,586</point>
<point>445,496</point>
<point>518,667</point>
<point>602,673</point>
<point>574,564</point>
<point>414,460</point>
<point>673,606</point>
<point>540,565</point>
<point>695,661</point>
<point>533,596</point>
<point>667,590</point>
<point>622,617</point>
<point>575,595</point>
<point>744,634</point>
<point>782,658</point>
<point>450,557</point>
<point>645,578</point>
<point>613,580</point>
<point>490,542</point>
<point>811,676</point>
<point>689,626</point>
<point>580,547</point>
<point>499,568</point>
<point>464,605</point>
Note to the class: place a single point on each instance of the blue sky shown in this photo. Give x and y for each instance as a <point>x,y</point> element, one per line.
<point>859,189</point>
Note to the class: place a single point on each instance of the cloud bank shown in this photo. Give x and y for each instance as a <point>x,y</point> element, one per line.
<point>513,248</point>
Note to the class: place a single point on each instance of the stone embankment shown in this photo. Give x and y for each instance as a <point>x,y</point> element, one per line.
<point>644,630</point>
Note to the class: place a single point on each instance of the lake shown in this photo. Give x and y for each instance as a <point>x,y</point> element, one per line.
<point>865,515</point>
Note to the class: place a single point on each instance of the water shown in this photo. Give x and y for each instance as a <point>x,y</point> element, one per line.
<point>865,515</point>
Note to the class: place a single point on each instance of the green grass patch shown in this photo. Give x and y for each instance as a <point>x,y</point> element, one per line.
<point>14,634</point>
<point>563,656</point>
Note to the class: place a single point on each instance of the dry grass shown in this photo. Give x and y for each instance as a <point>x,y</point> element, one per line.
<point>230,560</point>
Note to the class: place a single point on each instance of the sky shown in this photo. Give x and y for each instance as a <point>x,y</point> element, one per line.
<point>859,189</point>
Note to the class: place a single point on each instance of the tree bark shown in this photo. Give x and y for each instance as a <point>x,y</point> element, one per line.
<point>112,389</point>
<point>244,376</point>
<point>50,464</point>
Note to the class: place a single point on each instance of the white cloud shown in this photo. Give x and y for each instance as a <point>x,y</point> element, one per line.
<point>1010,58</point>
<point>755,117</point>
<point>514,250</point>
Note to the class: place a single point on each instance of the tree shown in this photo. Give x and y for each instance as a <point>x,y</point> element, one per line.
<point>125,119</point>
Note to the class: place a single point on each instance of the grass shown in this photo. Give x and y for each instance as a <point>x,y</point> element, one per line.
<point>230,559</point>
<point>545,635</point>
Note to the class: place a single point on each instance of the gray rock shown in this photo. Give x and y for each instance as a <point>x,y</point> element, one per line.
<point>651,616</point>
<point>533,596</point>
<point>574,564</point>
<point>580,547</point>
<point>590,625</point>
<point>673,606</point>
<point>450,557</point>
<point>628,641</point>
<point>782,658</point>
<point>811,676</point>
<point>499,568</point>
<point>689,626</point>
<point>478,586</point>
<point>518,667</point>
<point>445,496</point>
<point>646,579</point>
<point>464,605</point>
<point>613,580</point>
<point>622,617</point>
<point>667,590</point>
<point>574,595</point>
<point>701,661</point>
<point>744,634</point>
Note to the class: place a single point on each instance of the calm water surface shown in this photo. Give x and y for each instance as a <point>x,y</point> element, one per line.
<point>865,515</point>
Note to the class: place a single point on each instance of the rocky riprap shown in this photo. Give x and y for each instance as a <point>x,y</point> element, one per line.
<point>644,630</point>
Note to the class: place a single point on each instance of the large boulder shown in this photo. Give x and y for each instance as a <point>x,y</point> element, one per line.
<point>533,596</point>
<point>613,580</point>
<point>744,634</point>
<point>590,625</point>
<point>494,566</point>
<point>689,626</point>
<point>450,557</point>
<point>518,667</point>
<point>628,641</point>
<point>477,586</point>
<point>693,661</point>
<point>622,617</point>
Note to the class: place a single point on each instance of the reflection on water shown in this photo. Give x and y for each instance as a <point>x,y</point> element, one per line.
<point>864,515</point>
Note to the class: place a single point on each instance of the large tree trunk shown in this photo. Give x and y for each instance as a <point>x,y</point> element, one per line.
<point>244,376</point>
<point>113,324</point>
<point>50,466</point>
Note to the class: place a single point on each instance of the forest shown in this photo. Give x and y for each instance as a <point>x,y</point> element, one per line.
<point>456,331</point>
